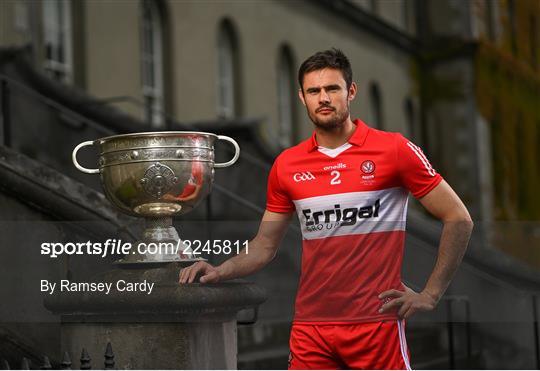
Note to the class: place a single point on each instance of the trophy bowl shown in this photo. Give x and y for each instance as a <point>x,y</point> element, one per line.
<point>157,175</point>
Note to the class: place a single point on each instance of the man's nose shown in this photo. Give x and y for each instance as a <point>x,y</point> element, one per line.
<point>324,97</point>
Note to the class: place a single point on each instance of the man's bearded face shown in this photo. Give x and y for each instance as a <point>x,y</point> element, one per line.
<point>326,98</point>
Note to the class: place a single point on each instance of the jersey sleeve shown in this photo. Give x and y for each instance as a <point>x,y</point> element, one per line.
<point>277,198</point>
<point>415,170</point>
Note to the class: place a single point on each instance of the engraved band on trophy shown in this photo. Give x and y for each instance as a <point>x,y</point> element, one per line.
<point>157,175</point>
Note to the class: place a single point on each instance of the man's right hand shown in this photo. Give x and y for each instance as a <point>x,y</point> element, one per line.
<point>209,273</point>
<point>262,249</point>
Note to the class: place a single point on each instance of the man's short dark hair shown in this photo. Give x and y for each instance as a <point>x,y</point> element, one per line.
<point>331,58</point>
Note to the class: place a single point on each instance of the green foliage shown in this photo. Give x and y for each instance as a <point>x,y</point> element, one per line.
<point>507,92</point>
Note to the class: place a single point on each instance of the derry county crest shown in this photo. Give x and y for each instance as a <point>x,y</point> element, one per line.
<point>367,167</point>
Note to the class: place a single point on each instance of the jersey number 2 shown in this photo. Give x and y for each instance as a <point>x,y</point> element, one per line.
<point>335,180</point>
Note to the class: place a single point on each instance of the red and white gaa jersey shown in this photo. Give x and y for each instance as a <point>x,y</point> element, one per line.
<point>352,205</point>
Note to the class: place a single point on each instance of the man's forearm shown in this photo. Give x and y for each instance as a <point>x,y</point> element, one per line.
<point>249,261</point>
<point>454,240</point>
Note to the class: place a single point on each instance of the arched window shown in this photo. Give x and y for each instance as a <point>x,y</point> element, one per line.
<point>227,67</point>
<point>57,39</point>
<point>152,62</point>
<point>286,97</point>
<point>410,119</point>
<point>376,110</point>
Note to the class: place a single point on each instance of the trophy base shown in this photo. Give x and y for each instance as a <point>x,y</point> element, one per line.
<point>160,245</point>
<point>158,208</point>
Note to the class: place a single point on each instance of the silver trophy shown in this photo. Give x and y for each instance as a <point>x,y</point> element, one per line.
<point>157,175</point>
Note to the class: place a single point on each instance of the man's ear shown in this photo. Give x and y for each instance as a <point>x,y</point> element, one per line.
<point>352,91</point>
<point>301,96</point>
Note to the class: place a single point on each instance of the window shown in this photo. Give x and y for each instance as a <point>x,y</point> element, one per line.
<point>227,68</point>
<point>57,40</point>
<point>410,119</point>
<point>152,62</point>
<point>375,100</point>
<point>285,98</point>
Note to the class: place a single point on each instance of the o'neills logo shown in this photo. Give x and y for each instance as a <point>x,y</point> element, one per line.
<point>306,175</point>
<point>335,217</point>
<point>339,166</point>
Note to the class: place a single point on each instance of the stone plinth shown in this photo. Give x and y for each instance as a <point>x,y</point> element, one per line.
<point>175,327</point>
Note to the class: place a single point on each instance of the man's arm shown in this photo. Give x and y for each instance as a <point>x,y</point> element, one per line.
<point>262,249</point>
<point>443,203</point>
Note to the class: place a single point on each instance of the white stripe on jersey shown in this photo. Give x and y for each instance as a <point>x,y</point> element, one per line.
<point>353,213</point>
<point>403,345</point>
<point>335,152</point>
<point>422,158</point>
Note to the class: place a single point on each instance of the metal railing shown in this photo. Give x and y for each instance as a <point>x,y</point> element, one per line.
<point>535,331</point>
<point>449,300</point>
<point>498,282</point>
<point>66,363</point>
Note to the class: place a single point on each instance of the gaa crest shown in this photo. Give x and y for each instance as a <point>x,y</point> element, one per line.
<point>158,180</point>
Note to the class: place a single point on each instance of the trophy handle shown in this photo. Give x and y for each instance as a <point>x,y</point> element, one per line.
<point>236,153</point>
<point>74,158</point>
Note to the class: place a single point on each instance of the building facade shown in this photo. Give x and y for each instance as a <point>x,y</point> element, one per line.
<point>460,78</point>
<point>209,60</point>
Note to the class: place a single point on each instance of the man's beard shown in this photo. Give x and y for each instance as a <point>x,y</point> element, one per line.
<point>330,123</point>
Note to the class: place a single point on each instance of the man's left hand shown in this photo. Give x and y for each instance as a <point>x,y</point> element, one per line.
<point>408,302</point>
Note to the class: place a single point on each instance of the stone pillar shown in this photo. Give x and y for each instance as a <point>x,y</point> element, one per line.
<point>175,327</point>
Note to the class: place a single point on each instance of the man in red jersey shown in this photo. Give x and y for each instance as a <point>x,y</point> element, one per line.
<point>349,185</point>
